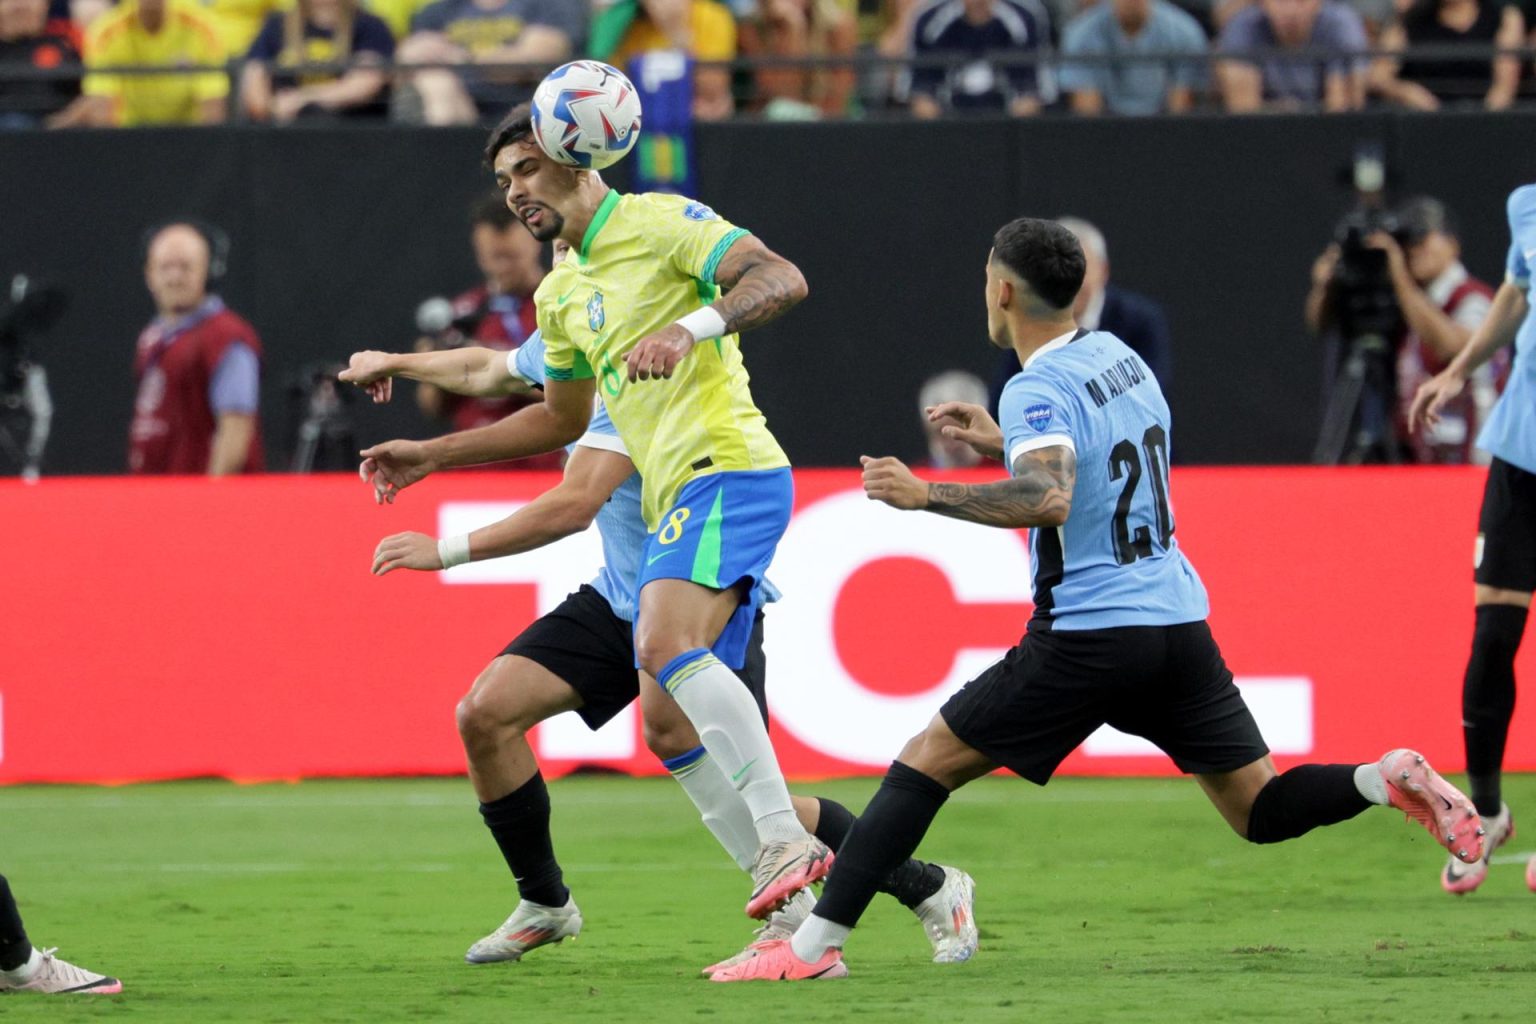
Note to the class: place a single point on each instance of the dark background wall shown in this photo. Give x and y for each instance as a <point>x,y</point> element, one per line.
<point>338,234</point>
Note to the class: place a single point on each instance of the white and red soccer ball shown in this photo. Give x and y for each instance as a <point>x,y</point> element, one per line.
<point>586,114</point>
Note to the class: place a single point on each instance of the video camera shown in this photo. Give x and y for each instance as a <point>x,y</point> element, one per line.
<point>28,310</point>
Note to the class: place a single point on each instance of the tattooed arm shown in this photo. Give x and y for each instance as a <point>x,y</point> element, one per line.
<point>1039,493</point>
<point>761,286</point>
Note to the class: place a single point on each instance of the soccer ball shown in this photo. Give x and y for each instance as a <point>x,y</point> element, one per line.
<point>586,114</point>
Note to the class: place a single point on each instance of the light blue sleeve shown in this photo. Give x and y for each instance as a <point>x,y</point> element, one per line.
<point>1522,235</point>
<point>236,382</point>
<point>1035,412</point>
<point>602,423</point>
<point>526,362</point>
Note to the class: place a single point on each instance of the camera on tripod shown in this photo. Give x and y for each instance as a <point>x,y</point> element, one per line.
<point>29,309</point>
<point>323,436</point>
<point>1362,299</point>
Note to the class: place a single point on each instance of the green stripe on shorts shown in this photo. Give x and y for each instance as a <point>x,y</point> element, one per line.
<point>706,557</point>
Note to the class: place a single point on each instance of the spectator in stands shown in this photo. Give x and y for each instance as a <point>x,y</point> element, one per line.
<point>1427,83</point>
<point>802,28</point>
<point>397,14</point>
<point>198,368</point>
<point>949,386</point>
<point>497,314</point>
<point>29,41</point>
<point>975,34</point>
<point>239,21</point>
<point>1133,318</point>
<point>476,32</point>
<point>317,32</point>
<point>703,29</point>
<point>155,33</point>
<point>1130,29</point>
<point>1258,74</point>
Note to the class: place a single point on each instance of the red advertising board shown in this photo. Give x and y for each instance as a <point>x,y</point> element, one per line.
<point>182,627</point>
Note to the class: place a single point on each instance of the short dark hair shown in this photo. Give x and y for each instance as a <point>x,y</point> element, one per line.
<point>492,210</point>
<point>517,126</point>
<point>1045,255</point>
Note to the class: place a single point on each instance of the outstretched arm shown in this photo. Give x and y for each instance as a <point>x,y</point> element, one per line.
<point>761,286</point>
<point>1038,494</point>
<point>480,372</point>
<point>553,423</point>
<point>591,477</point>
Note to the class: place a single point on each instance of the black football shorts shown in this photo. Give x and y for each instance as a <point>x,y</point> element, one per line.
<point>1505,555</point>
<point>1167,684</point>
<point>593,650</point>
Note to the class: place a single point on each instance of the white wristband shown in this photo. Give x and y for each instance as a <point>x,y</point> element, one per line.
<point>453,550</point>
<point>703,323</point>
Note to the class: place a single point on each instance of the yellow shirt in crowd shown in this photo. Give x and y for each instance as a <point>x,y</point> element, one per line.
<point>186,39</point>
<point>710,24</point>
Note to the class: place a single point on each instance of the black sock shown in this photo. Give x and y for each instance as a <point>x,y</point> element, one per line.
<point>1295,802</point>
<point>885,836</point>
<point>911,883</point>
<point>15,950</point>
<point>519,822</point>
<point>1488,699</point>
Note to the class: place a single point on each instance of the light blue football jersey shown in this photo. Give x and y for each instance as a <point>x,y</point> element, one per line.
<point>619,522</point>
<point>1115,561</point>
<point>1510,433</point>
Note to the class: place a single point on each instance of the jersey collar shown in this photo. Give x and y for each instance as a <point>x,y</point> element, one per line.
<point>604,211</point>
<point>1060,341</point>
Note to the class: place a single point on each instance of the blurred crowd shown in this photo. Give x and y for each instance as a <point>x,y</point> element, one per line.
<point>70,63</point>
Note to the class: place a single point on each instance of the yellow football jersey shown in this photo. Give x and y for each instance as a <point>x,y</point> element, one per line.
<point>647,260</point>
<point>187,38</point>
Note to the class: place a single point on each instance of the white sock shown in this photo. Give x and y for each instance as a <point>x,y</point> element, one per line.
<point>817,935</point>
<point>1371,784</point>
<point>724,812</point>
<point>731,727</point>
<point>23,974</point>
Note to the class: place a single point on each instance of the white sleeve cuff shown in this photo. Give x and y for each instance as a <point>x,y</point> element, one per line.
<point>1043,441</point>
<point>515,372</point>
<point>603,442</point>
<point>1518,282</point>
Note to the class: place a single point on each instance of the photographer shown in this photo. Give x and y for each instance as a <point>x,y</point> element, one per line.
<point>1394,290</point>
<point>498,314</point>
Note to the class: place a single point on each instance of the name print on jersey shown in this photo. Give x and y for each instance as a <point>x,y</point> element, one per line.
<point>1117,380</point>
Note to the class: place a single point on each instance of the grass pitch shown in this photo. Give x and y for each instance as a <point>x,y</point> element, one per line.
<point>1098,901</point>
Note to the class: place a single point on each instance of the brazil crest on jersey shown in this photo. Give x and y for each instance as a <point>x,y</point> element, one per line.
<point>645,261</point>
<point>1115,561</point>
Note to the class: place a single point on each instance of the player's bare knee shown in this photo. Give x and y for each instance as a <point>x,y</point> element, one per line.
<point>669,742</point>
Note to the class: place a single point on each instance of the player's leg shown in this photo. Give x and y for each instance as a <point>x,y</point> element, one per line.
<point>671,737</point>
<point>24,968</point>
<point>576,658</point>
<point>1026,712</point>
<point>508,699</point>
<point>1190,707</point>
<point>1504,572</point>
<point>14,945</point>
<point>930,766</point>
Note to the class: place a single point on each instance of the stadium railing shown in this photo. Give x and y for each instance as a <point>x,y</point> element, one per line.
<point>882,84</point>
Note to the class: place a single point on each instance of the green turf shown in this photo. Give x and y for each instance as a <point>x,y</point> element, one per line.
<point>1098,901</point>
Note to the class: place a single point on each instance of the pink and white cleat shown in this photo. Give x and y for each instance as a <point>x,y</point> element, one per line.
<point>1415,788</point>
<point>1459,878</point>
<point>776,961</point>
<point>782,869</point>
<point>48,974</point>
<point>1530,875</point>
